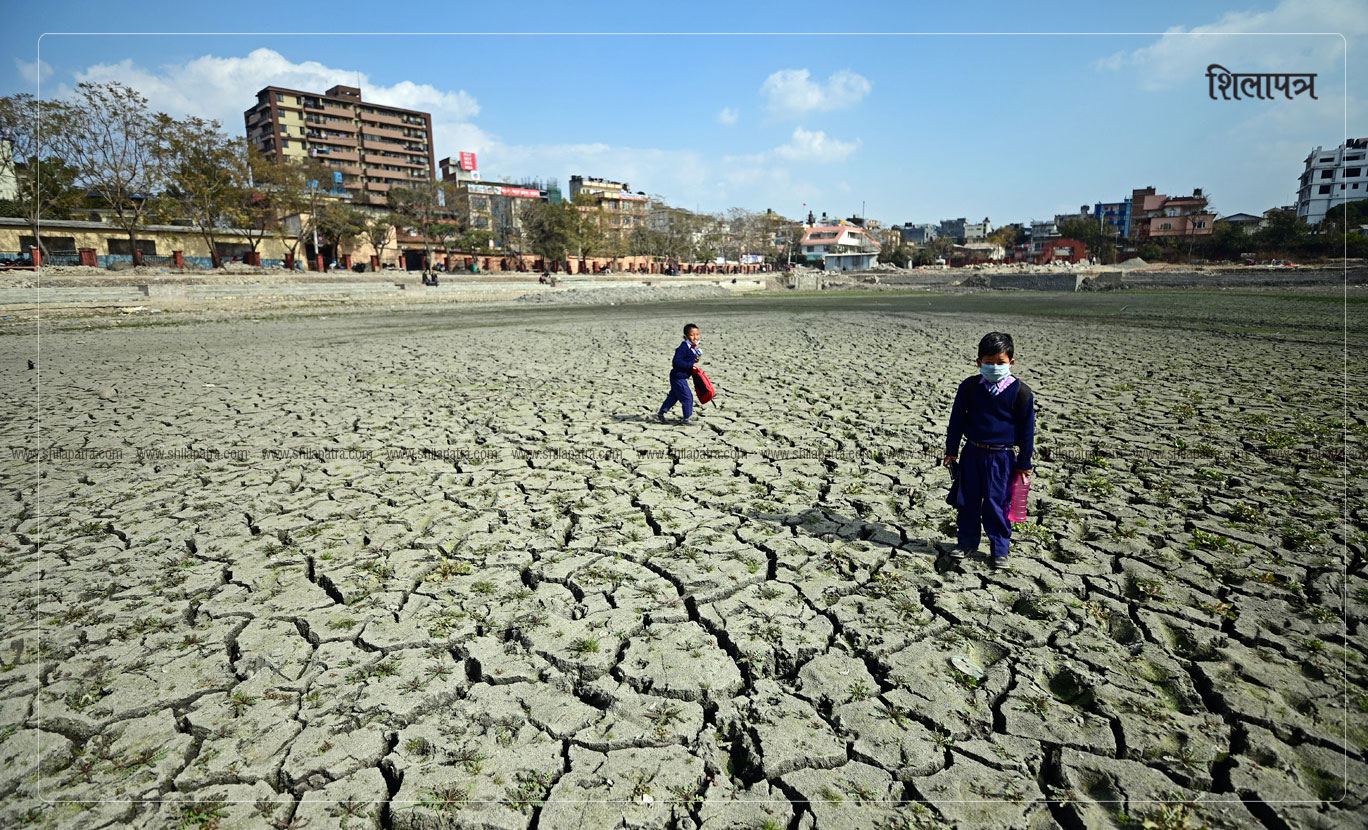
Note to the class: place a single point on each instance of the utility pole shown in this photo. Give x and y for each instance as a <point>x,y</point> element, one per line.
<point>313,215</point>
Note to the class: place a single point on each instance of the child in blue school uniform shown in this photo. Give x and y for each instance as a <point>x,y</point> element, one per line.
<point>681,371</point>
<point>992,412</point>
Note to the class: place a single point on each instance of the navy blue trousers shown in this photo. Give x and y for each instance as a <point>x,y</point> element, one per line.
<point>984,496</point>
<point>680,392</point>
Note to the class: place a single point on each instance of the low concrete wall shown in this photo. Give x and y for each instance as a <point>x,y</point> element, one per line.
<point>457,290</point>
<point>1036,282</point>
<point>1233,278</point>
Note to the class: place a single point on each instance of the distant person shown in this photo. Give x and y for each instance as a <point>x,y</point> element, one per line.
<point>686,356</point>
<point>993,411</point>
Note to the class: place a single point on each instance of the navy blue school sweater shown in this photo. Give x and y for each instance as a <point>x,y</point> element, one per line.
<point>981,416</point>
<point>684,359</point>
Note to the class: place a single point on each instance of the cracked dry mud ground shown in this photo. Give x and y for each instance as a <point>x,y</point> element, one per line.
<point>620,634</point>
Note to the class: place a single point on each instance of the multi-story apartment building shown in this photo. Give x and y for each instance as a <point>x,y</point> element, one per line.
<point>622,209</point>
<point>1042,233</point>
<point>840,247</point>
<point>498,207</point>
<point>977,231</point>
<point>918,234</point>
<point>1332,177</point>
<point>1154,215</point>
<point>953,228</point>
<point>369,147</point>
<point>1116,216</point>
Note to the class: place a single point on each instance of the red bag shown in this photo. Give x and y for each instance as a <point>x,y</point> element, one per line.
<point>703,388</point>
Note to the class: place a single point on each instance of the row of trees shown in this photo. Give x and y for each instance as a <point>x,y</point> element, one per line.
<point>1282,234</point>
<point>105,148</point>
<point>580,228</point>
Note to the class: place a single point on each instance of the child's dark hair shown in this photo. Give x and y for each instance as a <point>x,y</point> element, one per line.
<point>687,327</point>
<point>996,342</point>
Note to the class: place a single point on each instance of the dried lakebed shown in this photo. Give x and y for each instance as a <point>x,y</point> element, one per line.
<point>442,569</point>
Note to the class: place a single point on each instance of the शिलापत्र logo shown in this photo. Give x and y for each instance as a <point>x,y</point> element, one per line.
<point>1259,85</point>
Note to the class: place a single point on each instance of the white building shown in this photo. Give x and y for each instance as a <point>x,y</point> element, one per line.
<point>977,231</point>
<point>1332,177</point>
<point>1041,233</point>
<point>840,247</point>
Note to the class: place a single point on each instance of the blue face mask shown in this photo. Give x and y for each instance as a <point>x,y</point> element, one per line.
<point>995,372</point>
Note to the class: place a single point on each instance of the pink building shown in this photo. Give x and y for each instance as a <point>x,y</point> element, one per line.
<point>1156,215</point>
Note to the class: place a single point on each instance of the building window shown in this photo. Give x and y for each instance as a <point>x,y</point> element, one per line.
<point>1327,174</point>
<point>1167,226</point>
<point>1323,189</point>
<point>55,244</point>
<point>1352,172</point>
<point>119,247</point>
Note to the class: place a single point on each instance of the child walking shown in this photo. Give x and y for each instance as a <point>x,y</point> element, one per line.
<point>992,411</point>
<point>681,370</point>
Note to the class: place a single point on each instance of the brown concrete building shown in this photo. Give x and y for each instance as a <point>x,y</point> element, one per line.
<point>373,147</point>
<point>622,209</point>
<point>1155,215</point>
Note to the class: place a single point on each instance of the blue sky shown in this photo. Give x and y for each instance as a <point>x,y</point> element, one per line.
<point>1012,126</point>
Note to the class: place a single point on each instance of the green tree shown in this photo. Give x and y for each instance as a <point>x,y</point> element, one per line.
<point>1346,216</point>
<point>45,185</point>
<point>107,132</point>
<point>422,208</point>
<point>551,229</point>
<point>1099,238</point>
<point>208,176</point>
<point>339,224</point>
<point>898,255</point>
<point>1008,238</point>
<point>1227,241</point>
<point>301,196</point>
<point>589,234</point>
<point>378,231</point>
<point>1283,232</point>
<point>278,190</point>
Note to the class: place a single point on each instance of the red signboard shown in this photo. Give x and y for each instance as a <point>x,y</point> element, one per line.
<point>468,162</point>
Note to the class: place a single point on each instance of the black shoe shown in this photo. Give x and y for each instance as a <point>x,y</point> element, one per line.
<point>998,563</point>
<point>660,416</point>
<point>959,554</point>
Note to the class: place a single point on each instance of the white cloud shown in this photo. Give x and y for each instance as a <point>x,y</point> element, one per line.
<point>1247,41</point>
<point>814,145</point>
<point>728,116</point>
<point>223,87</point>
<point>34,72</point>
<point>792,92</point>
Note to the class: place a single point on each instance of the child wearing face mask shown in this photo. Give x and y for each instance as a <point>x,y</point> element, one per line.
<point>993,412</point>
